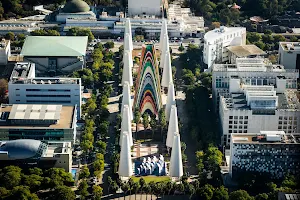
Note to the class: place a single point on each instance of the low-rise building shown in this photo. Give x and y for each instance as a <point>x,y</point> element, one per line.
<point>289,55</point>
<point>55,55</point>
<point>30,153</point>
<point>5,51</point>
<point>145,7</point>
<point>216,42</point>
<point>39,122</point>
<point>272,153</point>
<point>254,96</point>
<point>25,88</point>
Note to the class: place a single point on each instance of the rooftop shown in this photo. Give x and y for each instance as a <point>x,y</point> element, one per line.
<point>47,116</point>
<point>245,50</point>
<point>69,46</point>
<point>266,137</point>
<point>219,32</point>
<point>76,6</point>
<point>290,46</point>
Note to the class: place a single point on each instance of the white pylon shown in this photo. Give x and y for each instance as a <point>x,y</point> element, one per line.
<point>126,125</point>
<point>125,164</point>
<point>164,50</point>
<point>170,100</point>
<point>167,72</point>
<point>128,46</point>
<point>176,168</point>
<point>173,126</point>
<point>163,31</point>
<point>126,100</point>
<point>127,68</point>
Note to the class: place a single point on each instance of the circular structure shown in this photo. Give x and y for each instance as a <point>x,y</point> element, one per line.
<point>76,6</point>
<point>23,148</point>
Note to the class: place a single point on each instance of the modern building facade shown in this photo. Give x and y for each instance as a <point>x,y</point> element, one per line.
<point>38,122</point>
<point>29,153</point>
<point>55,55</point>
<point>4,51</point>
<point>289,55</point>
<point>216,42</point>
<point>25,88</point>
<point>272,153</point>
<point>145,7</point>
<point>251,96</point>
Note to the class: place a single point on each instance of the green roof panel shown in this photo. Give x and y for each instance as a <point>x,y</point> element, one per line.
<point>55,46</point>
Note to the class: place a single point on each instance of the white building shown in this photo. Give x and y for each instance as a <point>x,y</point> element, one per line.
<point>289,55</point>
<point>216,41</point>
<point>271,153</point>
<point>4,51</point>
<point>55,55</point>
<point>44,155</point>
<point>144,7</point>
<point>25,88</point>
<point>244,51</point>
<point>254,96</point>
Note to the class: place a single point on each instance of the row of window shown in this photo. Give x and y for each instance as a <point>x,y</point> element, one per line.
<point>49,90</point>
<point>238,122</point>
<point>237,127</point>
<point>46,101</point>
<point>42,95</point>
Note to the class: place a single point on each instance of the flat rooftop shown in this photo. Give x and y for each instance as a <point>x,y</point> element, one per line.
<point>246,50</point>
<point>271,137</point>
<point>62,116</point>
<point>288,100</point>
<point>290,46</point>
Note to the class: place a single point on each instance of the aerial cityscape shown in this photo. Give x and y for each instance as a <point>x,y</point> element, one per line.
<point>139,99</point>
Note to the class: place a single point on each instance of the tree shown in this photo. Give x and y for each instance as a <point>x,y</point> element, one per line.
<point>3,192</point>
<point>240,195</point>
<point>10,176</point>
<point>82,189</point>
<point>53,33</point>
<point>10,36</point>
<point>3,89</point>
<point>206,192</point>
<point>293,39</point>
<point>162,120</point>
<point>97,192</point>
<point>190,190</point>
<point>262,196</point>
<point>36,170</point>
<point>181,48</point>
<point>33,181</point>
<point>125,188</point>
<point>109,45</point>
<point>84,172</point>
<point>76,31</point>
<point>101,146</point>
<point>221,193</point>
<point>137,119</point>
<point>63,193</point>
<point>188,77</point>
<point>135,188</point>
<point>253,37</point>
<point>22,192</point>
<point>146,120</point>
<point>58,177</point>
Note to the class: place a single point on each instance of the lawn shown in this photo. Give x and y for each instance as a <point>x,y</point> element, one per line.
<point>152,178</point>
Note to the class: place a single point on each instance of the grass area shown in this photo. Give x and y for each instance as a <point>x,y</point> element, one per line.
<point>148,179</point>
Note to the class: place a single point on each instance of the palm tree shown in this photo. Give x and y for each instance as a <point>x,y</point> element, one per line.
<point>125,188</point>
<point>147,190</point>
<point>137,119</point>
<point>135,187</point>
<point>152,188</point>
<point>169,187</point>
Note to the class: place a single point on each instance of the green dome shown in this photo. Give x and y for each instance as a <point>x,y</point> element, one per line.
<point>76,6</point>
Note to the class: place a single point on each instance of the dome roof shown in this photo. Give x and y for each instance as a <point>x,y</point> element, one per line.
<point>76,6</point>
<point>23,148</point>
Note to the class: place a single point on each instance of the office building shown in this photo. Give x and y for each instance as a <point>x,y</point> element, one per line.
<point>251,96</point>
<point>38,122</point>
<point>4,51</point>
<point>55,55</point>
<point>34,153</point>
<point>272,153</point>
<point>145,7</point>
<point>216,42</point>
<point>289,55</point>
<point>25,88</point>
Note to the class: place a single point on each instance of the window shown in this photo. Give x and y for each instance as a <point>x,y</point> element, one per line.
<point>235,122</point>
<point>235,127</point>
<point>230,126</point>
<point>18,100</point>
<point>245,122</point>
<point>235,117</point>
<point>17,89</point>
<point>230,117</point>
<point>246,117</point>
<point>230,122</point>
<point>230,131</point>
<point>280,118</point>
<point>17,95</point>
<point>245,127</point>
<point>241,117</point>
<point>240,127</point>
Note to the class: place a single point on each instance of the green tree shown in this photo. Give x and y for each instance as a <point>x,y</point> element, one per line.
<point>137,119</point>
<point>125,188</point>
<point>240,195</point>
<point>58,177</point>
<point>10,176</point>
<point>109,45</point>
<point>76,31</point>
<point>4,193</point>
<point>97,192</point>
<point>3,89</point>
<point>181,48</point>
<point>188,77</point>
<point>162,120</point>
<point>22,192</point>
<point>262,196</point>
<point>221,193</point>
<point>135,188</point>
<point>36,171</point>
<point>33,181</point>
<point>82,189</point>
<point>84,172</point>
<point>53,33</point>
<point>63,193</point>
<point>253,37</point>
<point>206,192</point>
<point>101,146</point>
<point>10,36</point>
<point>146,120</point>
<point>293,39</point>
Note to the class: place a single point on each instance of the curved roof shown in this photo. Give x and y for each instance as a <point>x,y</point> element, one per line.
<point>23,148</point>
<point>76,6</point>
